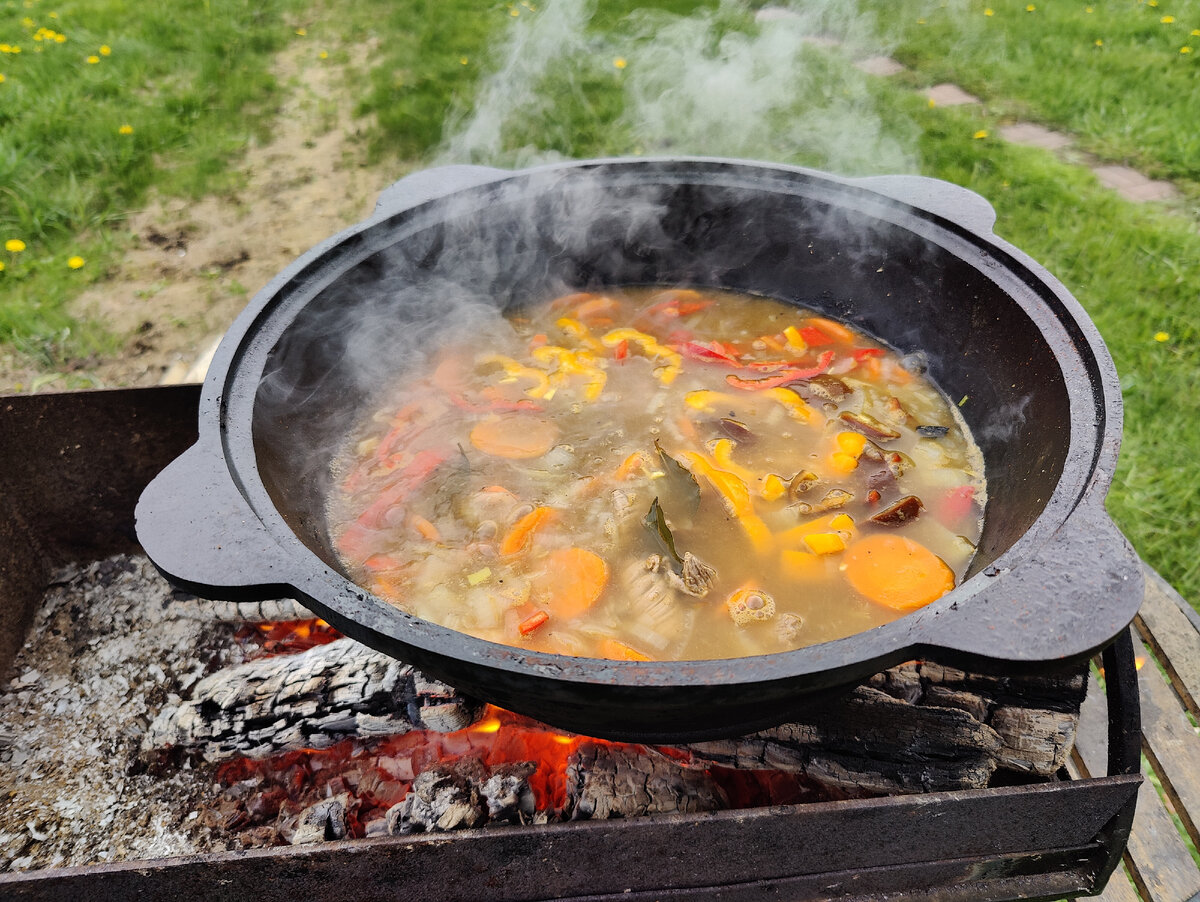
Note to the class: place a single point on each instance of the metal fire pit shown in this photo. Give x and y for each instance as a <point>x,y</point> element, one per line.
<point>73,466</point>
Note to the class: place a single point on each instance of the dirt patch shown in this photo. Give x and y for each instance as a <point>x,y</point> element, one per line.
<point>195,265</point>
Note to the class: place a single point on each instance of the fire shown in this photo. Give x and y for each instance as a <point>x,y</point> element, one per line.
<point>280,637</point>
<point>1139,662</point>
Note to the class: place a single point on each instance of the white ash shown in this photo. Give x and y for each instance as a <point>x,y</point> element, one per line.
<point>109,647</point>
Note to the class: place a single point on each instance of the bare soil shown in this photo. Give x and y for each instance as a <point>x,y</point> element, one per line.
<point>196,264</point>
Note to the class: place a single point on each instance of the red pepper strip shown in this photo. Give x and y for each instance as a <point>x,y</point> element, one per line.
<point>418,470</point>
<point>783,378</point>
<point>494,405</point>
<point>711,352</point>
<point>675,308</point>
<point>864,353</point>
<point>814,337</point>
<point>400,423</point>
<point>532,622</point>
<point>773,366</point>
<point>956,504</point>
<point>621,351</point>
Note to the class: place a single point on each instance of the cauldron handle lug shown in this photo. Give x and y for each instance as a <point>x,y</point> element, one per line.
<point>1079,589</point>
<point>202,535</point>
<point>430,184</point>
<point>945,199</point>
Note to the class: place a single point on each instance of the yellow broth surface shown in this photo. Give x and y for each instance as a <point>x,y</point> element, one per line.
<point>661,474</point>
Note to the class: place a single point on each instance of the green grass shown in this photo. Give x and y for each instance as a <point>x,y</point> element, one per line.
<point>132,96</point>
<point>1111,73</point>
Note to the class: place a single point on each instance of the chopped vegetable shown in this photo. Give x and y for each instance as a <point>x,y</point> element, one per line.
<point>521,534</point>
<point>532,622</point>
<point>474,579</point>
<point>825,543</point>
<point>832,329</point>
<point>571,581</point>
<point>896,571</point>
<point>788,375</point>
<point>813,337</point>
<point>869,426</point>
<point>514,436</point>
<point>619,651</point>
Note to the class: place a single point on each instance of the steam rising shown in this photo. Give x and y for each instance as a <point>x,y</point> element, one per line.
<point>718,83</point>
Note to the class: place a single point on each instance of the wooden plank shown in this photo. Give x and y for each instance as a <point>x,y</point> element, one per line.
<point>1173,639</point>
<point>1172,746</point>
<point>1159,863</point>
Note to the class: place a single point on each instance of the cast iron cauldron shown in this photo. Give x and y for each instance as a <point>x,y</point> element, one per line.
<point>910,260</point>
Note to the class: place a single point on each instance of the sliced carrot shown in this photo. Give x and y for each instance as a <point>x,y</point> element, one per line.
<point>514,436</point>
<point>571,580</point>
<point>377,563</point>
<point>897,572</point>
<point>522,531</point>
<point>629,465</point>
<point>619,651</point>
<point>532,622</point>
<point>425,529</point>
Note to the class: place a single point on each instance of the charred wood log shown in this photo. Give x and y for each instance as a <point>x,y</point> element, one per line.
<point>921,727</point>
<point>608,781</point>
<point>464,794</point>
<point>307,700</point>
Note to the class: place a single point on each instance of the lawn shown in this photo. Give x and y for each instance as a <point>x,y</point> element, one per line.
<point>510,84</point>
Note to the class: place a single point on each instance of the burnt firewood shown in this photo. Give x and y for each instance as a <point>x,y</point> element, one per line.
<point>462,794</point>
<point>322,822</point>
<point>609,781</point>
<point>307,700</point>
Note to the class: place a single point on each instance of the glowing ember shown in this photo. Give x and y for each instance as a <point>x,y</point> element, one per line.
<point>285,637</point>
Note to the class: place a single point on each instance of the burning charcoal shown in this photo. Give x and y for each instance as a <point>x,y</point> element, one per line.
<point>932,431</point>
<point>869,426</point>
<point>322,822</point>
<point>899,512</point>
<point>508,794</point>
<point>610,781</point>
<point>440,799</point>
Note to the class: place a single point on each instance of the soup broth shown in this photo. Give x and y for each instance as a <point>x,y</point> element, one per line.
<point>661,474</point>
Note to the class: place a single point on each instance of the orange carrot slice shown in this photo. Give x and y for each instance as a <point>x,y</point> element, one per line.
<point>571,580</point>
<point>619,651</point>
<point>897,572</point>
<point>522,531</point>
<point>514,436</point>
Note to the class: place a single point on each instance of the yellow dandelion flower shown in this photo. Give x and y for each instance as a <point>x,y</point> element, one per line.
<point>462,60</point>
<point>15,49</point>
<point>27,22</point>
<point>2,78</point>
<point>14,245</point>
<point>105,50</point>
<point>53,15</point>
<point>620,63</point>
<point>5,48</point>
<point>324,54</point>
<point>989,12</point>
<point>1089,9</point>
<point>1167,20</point>
<point>921,21</point>
<point>125,129</point>
<point>932,102</point>
<point>76,262</point>
<point>1099,42</point>
<point>93,59</point>
<point>1185,49</point>
<point>514,12</point>
<point>60,38</point>
<point>1196,32</point>
<point>1154,2</point>
<point>982,133</point>
<point>1030,8</point>
<point>1,266</point>
<point>39,36</point>
<point>301,32</point>
<point>1162,336</point>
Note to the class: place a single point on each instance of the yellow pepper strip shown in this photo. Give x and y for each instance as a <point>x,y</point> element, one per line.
<point>650,346</point>
<point>851,442</point>
<point>825,543</point>
<point>793,402</point>
<point>580,333</point>
<point>794,340</point>
<point>842,462</point>
<point>842,522</point>
<point>516,370</point>
<point>801,565</point>
<point>795,538</point>
<point>707,401</point>
<point>579,363</point>
<point>736,498</point>
<point>773,487</point>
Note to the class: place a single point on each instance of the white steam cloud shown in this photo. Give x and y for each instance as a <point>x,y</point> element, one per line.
<point>778,86</point>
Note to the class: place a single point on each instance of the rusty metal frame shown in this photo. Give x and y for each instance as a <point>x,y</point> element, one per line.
<point>71,468</point>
